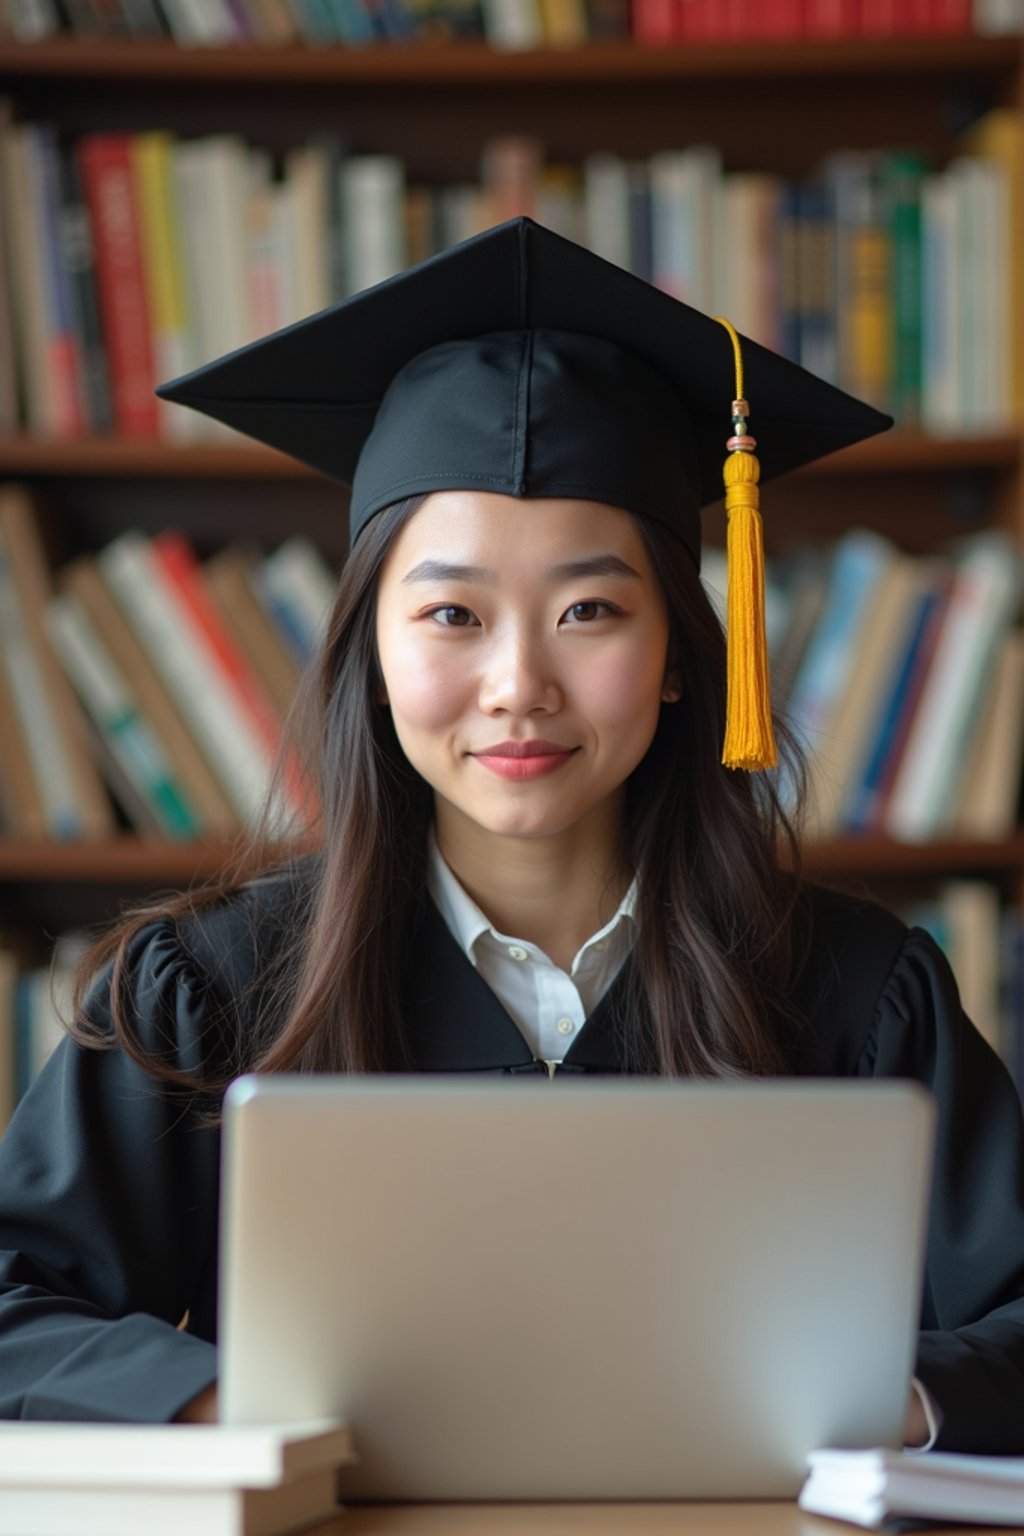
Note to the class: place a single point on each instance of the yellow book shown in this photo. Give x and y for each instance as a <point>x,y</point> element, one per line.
<point>999,136</point>
<point>164,269</point>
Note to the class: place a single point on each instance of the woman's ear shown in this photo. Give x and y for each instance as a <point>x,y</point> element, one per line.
<point>672,690</point>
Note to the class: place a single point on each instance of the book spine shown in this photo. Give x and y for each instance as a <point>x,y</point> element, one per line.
<point>26,260</point>
<point>163,270</point>
<point>116,716</point>
<point>297,590</point>
<point>985,590</point>
<point>80,261</point>
<point>191,769</point>
<point>20,798</point>
<point>27,690</point>
<point>105,164</point>
<point>31,577</point>
<point>181,572</point>
<point>63,366</point>
<point>177,652</point>
<point>902,177</point>
<point>862,812</point>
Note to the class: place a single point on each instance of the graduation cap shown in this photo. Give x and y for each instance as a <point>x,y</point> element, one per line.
<point>521,363</point>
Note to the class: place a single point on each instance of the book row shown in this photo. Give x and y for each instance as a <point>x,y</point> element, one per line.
<point>503,23</point>
<point>903,677</point>
<point>131,258</point>
<point>99,699</point>
<point>983,941</point>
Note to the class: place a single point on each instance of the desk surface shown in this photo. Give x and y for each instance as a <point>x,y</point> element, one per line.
<point>724,1519</point>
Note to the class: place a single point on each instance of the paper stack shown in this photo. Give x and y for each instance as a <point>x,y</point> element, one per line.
<point>873,1487</point>
<point>208,1480</point>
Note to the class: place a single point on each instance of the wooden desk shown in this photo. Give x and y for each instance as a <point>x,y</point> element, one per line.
<point>783,1519</point>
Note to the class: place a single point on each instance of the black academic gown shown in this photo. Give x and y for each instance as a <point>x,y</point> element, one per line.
<point>109,1184</point>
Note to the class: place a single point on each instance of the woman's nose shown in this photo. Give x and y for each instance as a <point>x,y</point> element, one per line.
<point>519,677</point>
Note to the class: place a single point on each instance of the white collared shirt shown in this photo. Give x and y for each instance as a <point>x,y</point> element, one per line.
<point>548,1004</point>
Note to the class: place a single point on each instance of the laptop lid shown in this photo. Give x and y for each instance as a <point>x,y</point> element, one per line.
<point>612,1290</point>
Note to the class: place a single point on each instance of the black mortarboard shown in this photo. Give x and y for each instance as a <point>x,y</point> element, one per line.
<point>521,363</point>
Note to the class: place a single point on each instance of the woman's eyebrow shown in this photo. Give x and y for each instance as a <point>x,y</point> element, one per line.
<point>595,565</point>
<point>442,570</point>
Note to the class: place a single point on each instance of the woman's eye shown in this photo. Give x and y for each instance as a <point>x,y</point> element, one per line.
<point>584,613</point>
<point>452,616</point>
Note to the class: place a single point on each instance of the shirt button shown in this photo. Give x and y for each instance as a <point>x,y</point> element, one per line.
<point>517,952</point>
<point>601,944</point>
<point>565,1026</point>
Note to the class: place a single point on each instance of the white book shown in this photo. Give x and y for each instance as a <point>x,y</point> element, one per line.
<point>996,18</point>
<point>210,188</point>
<point>296,587</point>
<point>606,206</point>
<point>114,711</point>
<point>986,590</point>
<point>870,1488</point>
<point>307,197</point>
<point>27,687</point>
<point>372,219</point>
<point>684,187</point>
<point>293,1507</point>
<point>981,296</point>
<point>201,22</point>
<point>178,652</point>
<point>164,1455</point>
<point>941,338</point>
<point>513,24</point>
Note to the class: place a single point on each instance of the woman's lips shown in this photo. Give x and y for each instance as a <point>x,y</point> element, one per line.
<point>524,759</point>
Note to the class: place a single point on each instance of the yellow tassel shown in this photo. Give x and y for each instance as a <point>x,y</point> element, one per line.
<point>749,736</point>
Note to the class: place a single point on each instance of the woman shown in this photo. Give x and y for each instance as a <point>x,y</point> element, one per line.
<point>531,857</point>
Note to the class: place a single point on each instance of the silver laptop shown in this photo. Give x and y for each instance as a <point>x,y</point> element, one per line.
<point>620,1290</point>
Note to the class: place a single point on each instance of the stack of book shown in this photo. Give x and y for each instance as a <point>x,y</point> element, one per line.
<point>903,677</point>
<point>98,682</point>
<point>131,258</point>
<point>905,1491</point>
<point>209,1480</point>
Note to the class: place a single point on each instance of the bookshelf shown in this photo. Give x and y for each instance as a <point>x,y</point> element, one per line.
<point>769,105</point>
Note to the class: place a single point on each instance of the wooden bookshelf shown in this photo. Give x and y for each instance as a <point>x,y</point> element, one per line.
<point>473,62</point>
<point>134,860</point>
<point>770,105</point>
<point>896,452</point>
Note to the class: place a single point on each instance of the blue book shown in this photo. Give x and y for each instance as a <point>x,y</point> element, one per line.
<point>864,804</point>
<point>858,563</point>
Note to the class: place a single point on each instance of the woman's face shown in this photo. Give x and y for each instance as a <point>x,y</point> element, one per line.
<point>523,645</point>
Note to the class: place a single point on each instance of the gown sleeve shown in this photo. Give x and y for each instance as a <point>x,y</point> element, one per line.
<point>108,1216</point>
<point>971,1347</point>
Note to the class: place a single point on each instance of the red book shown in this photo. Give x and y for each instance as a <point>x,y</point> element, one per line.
<point>104,161</point>
<point>878,18</point>
<point>831,18</point>
<point>951,16</point>
<point>654,21</point>
<point>179,565</point>
<point>915,16</point>
<point>781,18</point>
<point>700,20</point>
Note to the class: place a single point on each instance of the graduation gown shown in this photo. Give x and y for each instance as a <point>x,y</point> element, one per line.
<point>109,1183</point>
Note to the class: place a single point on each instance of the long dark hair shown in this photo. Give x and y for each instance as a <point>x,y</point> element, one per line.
<point>719,941</point>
